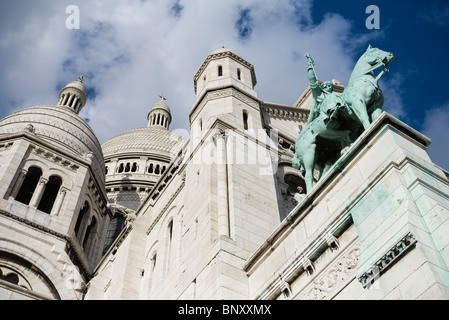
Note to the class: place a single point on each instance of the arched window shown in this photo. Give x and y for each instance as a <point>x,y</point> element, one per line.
<point>84,212</point>
<point>156,171</point>
<point>115,227</point>
<point>51,192</point>
<point>127,167</point>
<point>29,185</point>
<point>150,168</point>
<point>134,167</point>
<point>220,71</point>
<point>121,168</point>
<point>90,233</point>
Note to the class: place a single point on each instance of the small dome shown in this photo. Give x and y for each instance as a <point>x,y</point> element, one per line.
<point>73,95</point>
<point>61,127</point>
<point>76,85</point>
<point>160,105</point>
<point>159,115</point>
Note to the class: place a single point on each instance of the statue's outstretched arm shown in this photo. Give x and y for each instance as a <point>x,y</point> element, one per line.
<point>313,81</point>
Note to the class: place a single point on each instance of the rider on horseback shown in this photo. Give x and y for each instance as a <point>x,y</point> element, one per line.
<point>324,101</point>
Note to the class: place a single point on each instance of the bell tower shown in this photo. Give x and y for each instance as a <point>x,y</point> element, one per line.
<point>73,95</point>
<point>224,68</point>
<point>159,115</point>
<point>224,87</point>
<point>231,153</point>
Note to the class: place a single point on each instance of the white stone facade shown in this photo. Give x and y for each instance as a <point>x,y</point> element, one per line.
<point>223,219</point>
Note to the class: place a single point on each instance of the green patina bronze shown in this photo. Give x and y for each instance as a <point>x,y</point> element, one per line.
<point>336,121</point>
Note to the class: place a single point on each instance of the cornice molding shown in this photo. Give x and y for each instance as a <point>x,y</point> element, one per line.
<point>220,94</point>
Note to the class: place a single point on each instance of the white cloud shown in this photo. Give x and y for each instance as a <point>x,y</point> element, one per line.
<point>130,51</point>
<point>392,88</point>
<point>435,126</point>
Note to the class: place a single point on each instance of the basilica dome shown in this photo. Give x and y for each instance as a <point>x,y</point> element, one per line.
<point>136,159</point>
<point>148,140</point>
<point>62,128</point>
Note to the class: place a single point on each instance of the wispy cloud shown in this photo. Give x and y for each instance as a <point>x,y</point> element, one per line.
<point>131,51</point>
<point>435,125</point>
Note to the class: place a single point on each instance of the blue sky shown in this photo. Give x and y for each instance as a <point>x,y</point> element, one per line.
<point>131,51</point>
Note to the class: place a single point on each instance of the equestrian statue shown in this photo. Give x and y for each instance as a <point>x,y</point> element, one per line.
<point>336,121</point>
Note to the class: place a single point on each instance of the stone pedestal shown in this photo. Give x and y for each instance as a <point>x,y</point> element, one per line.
<point>376,226</point>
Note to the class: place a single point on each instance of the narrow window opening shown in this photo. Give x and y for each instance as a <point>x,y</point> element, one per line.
<point>150,168</point>
<point>115,227</point>
<point>239,74</point>
<point>157,170</point>
<point>121,168</point>
<point>220,71</point>
<point>134,167</point>
<point>245,120</point>
<point>127,167</point>
<point>83,212</point>
<point>29,185</point>
<point>89,233</point>
<point>153,261</point>
<point>170,230</point>
<point>51,192</point>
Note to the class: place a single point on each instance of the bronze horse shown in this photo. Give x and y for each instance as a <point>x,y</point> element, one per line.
<point>319,145</point>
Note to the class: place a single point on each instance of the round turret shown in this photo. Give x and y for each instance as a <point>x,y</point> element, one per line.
<point>73,95</point>
<point>159,115</point>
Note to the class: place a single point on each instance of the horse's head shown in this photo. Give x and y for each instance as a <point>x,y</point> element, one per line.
<point>374,56</point>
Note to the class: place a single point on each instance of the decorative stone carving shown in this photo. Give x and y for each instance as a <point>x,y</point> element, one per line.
<point>329,281</point>
<point>387,260</point>
<point>30,128</point>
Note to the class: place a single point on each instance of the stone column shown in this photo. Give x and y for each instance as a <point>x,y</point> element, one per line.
<point>59,201</point>
<point>69,102</point>
<point>18,183</point>
<point>38,192</point>
<point>222,183</point>
<point>74,103</point>
<point>66,97</point>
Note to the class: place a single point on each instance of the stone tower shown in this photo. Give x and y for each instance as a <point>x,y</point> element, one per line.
<point>53,207</point>
<point>231,168</point>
